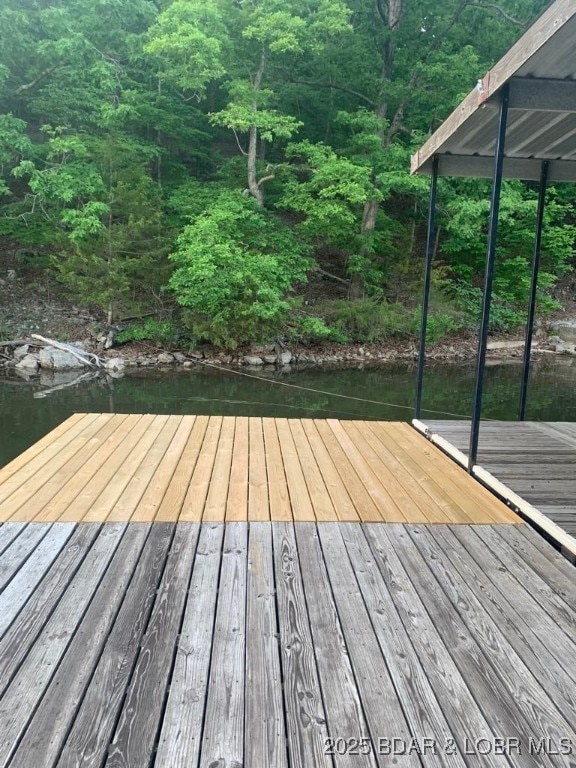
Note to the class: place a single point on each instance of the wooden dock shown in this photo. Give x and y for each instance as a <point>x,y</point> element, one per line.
<point>536,460</point>
<point>178,645</point>
<point>104,467</point>
<point>193,592</point>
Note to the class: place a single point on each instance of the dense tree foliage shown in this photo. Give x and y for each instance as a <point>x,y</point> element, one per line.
<point>217,153</point>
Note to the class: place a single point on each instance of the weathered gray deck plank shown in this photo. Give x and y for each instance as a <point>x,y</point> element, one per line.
<point>431,690</point>
<point>45,735</point>
<point>181,733</point>
<point>559,608</point>
<point>498,704</point>
<point>223,737</point>
<point>543,559</point>
<point>305,716</point>
<point>142,645</point>
<point>539,713</point>
<point>31,677</point>
<point>20,550</point>
<point>14,596</point>
<point>344,711</point>
<point>383,708</point>
<point>265,733</point>
<point>540,644</point>
<point>8,532</point>
<point>89,737</point>
<point>27,625</point>
<point>140,719</point>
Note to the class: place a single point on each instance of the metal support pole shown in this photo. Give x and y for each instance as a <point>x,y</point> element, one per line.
<point>488,277</point>
<point>533,289</point>
<point>430,245</point>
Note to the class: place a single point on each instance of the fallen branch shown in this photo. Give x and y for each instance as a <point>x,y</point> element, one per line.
<point>83,377</point>
<point>332,277</point>
<point>85,357</point>
<point>14,343</point>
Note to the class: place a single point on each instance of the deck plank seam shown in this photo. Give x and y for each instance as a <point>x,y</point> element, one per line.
<point>212,637</point>
<point>279,645</point>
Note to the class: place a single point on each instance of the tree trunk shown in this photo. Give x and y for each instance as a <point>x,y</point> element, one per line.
<point>253,185</point>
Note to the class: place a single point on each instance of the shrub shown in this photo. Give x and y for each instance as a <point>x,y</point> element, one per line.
<point>235,267</point>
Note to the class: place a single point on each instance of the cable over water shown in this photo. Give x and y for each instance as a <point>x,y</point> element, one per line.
<point>219,367</point>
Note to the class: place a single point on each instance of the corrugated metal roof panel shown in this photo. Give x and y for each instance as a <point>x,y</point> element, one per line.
<point>547,51</point>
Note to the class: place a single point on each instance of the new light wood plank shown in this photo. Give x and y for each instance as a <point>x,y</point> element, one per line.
<point>344,711</point>
<point>368,469</point>
<point>341,500</point>
<point>299,497</point>
<point>119,483</point>
<point>105,426</point>
<point>171,506</point>
<point>21,695</point>
<point>319,496</point>
<point>16,491</point>
<point>195,499</point>
<point>181,733</point>
<point>305,715</point>
<point>363,502</point>
<point>36,449</point>
<point>161,480</point>
<point>264,731</point>
<point>423,479</point>
<point>129,502</point>
<point>237,501</point>
<point>131,435</point>
<point>223,736</point>
<point>280,507</point>
<point>215,508</point>
<point>48,728</point>
<point>140,719</point>
<point>458,483</point>
<point>258,504</point>
<point>388,470</point>
<point>61,503</point>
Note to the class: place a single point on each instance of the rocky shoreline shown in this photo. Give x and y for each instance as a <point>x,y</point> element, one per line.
<point>29,358</point>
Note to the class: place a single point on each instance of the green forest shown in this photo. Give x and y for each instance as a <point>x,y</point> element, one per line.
<point>232,171</point>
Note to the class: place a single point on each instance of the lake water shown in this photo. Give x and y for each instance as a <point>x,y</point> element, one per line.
<point>29,410</point>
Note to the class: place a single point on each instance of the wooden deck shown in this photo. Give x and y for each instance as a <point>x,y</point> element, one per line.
<point>143,468</point>
<point>284,645</point>
<point>536,460</point>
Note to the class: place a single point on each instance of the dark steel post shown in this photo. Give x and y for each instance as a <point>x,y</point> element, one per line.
<point>430,245</point>
<point>533,289</point>
<point>488,277</point>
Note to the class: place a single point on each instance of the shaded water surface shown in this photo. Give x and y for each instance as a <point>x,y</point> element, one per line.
<point>29,410</point>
